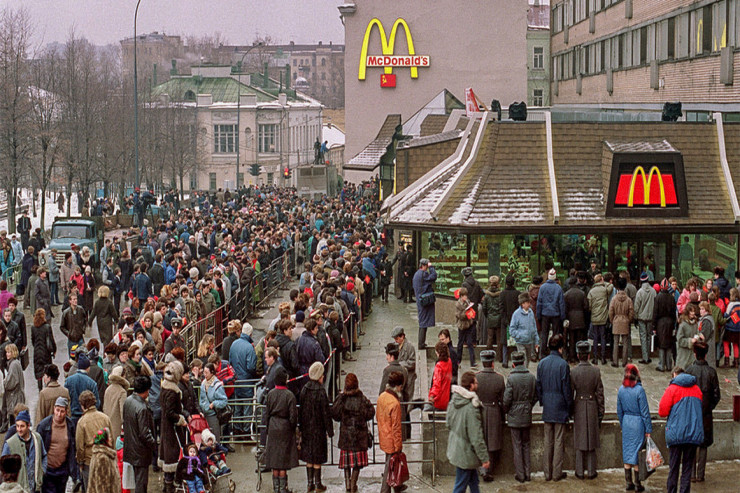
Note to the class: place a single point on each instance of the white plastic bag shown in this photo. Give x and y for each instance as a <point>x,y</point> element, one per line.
<point>653,457</point>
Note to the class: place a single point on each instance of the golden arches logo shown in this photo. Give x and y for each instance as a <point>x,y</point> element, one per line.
<point>387,46</point>
<point>646,182</point>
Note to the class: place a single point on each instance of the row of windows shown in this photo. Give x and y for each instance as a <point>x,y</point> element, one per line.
<point>226,138</point>
<point>702,31</point>
<point>572,12</point>
<point>304,62</point>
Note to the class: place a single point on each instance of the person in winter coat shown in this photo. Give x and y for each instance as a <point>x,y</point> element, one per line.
<point>352,410</point>
<point>510,304</point>
<point>106,313</point>
<point>315,424</point>
<point>134,366</point>
<point>49,395</point>
<point>466,446</point>
<point>42,293</point>
<point>389,416</point>
<point>29,448</point>
<point>44,346</point>
<point>308,348</point>
<point>173,423</point>
<point>423,283</point>
<point>212,397</point>
<point>73,323</point>
<point>115,396</point>
<point>10,466</point>
<point>684,430</point>
<point>61,464</point>
<point>391,356</point>
<point>664,322</point>
<point>550,309</point>
<point>644,307</point>
<point>492,310</point>
<point>191,471</point>
<point>707,332</point>
<point>687,335</point>
<point>140,441</point>
<point>280,419</point>
<point>576,308</point>
<point>490,391</point>
<point>520,396</point>
<point>598,302</point>
<point>104,476</point>
<point>14,381</point>
<point>588,411</point>
<point>78,383</point>
<point>439,393</point>
<point>475,296</point>
<point>88,425</point>
<point>288,353</point>
<point>556,396</point>
<point>731,339</point>
<point>621,314</point>
<point>708,382</point>
<point>524,329</point>
<point>634,418</point>
<point>244,360</point>
<point>465,325</point>
<point>89,289</point>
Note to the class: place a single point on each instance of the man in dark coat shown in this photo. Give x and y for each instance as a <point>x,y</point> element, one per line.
<point>706,379</point>
<point>510,303</point>
<point>407,267</point>
<point>156,274</point>
<point>24,229</point>
<point>490,391</point>
<point>550,309</point>
<point>588,411</point>
<point>139,425</point>
<point>556,397</point>
<point>43,293</point>
<point>423,283</point>
<point>664,323</point>
<point>308,350</point>
<point>391,356</point>
<point>576,306</point>
<point>520,396</point>
<point>475,296</point>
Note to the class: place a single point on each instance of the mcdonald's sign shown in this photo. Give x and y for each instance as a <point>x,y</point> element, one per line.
<point>647,184</point>
<point>388,60</point>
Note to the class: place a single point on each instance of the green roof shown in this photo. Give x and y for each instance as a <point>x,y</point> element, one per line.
<point>223,89</point>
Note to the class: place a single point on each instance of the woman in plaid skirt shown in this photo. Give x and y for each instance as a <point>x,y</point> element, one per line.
<point>353,410</point>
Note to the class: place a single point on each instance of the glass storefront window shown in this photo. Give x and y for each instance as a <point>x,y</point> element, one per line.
<point>501,255</point>
<point>572,251</point>
<point>696,255</point>
<point>448,253</point>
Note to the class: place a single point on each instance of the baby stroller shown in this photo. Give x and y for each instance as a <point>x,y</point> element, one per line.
<point>214,484</point>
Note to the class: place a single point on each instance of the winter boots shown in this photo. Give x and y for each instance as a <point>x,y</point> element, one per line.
<point>317,480</point>
<point>280,485</point>
<point>628,479</point>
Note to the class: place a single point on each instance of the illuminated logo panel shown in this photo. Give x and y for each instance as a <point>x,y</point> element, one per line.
<point>655,190</point>
<point>388,58</point>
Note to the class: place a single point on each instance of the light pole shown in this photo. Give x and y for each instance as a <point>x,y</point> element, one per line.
<point>239,109</point>
<point>136,106</point>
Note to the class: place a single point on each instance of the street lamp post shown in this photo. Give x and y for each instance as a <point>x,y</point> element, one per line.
<point>136,106</point>
<point>239,109</point>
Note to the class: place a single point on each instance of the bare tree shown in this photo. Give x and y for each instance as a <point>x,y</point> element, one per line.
<point>16,146</point>
<point>46,113</point>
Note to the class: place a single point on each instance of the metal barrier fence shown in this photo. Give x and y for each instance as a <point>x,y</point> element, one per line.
<point>12,275</point>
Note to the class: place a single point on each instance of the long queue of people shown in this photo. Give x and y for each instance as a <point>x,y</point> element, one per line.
<point>134,396</point>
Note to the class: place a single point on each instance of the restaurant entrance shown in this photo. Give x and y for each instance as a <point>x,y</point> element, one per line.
<point>636,254</point>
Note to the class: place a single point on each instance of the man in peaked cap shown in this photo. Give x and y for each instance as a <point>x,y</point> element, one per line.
<point>588,392</point>
<point>490,391</point>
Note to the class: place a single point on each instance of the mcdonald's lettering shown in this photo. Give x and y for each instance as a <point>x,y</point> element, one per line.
<point>389,59</point>
<point>651,190</point>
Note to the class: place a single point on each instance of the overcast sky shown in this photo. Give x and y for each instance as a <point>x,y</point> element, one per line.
<point>239,21</point>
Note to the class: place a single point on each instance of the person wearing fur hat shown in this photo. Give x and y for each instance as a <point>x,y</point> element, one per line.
<point>314,421</point>
<point>466,446</point>
<point>190,470</point>
<point>104,476</point>
<point>10,466</point>
<point>173,423</point>
<point>115,396</point>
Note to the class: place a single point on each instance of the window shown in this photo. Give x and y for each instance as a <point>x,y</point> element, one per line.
<point>224,139</point>
<point>270,178</point>
<point>212,181</point>
<point>538,60</point>
<point>295,62</point>
<point>448,253</point>
<point>697,254</point>
<point>268,138</point>
<point>239,179</point>
<point>193,181</point>
<point>538,98</point>
<point>323,62</point>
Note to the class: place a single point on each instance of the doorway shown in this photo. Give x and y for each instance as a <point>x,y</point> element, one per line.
<point>637,254</point>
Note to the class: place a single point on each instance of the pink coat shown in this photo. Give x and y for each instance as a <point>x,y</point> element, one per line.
<point>5,296</point>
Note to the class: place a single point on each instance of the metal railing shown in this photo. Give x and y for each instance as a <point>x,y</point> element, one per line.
<point>12,275</point>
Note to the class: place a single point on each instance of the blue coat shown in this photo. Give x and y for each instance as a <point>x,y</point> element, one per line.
<point>143,286</point>
<point>309,351</point>
<point>550,301</point>
<point>77,383</point>
<point>243,358</point>
<point>44,430</point>
<point>523,327</point>
<point>553,388</point>
<point>215,394</point>
<point>634,418</point>
<point>423,282</point>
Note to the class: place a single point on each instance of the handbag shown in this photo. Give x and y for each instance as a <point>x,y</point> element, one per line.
<point>398,470</point>
<point>426,299</point>
<point>224,414</point>
<point>23,356</point>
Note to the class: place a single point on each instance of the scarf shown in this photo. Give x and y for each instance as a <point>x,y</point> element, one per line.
<point>193,463</point>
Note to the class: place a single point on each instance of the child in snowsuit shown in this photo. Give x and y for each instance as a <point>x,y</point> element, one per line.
<point>213,454</point>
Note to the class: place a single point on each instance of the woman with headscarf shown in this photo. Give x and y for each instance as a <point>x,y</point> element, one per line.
<point>106,314</point>
<point>634,418</point>
<point>173,423</point>
<point>353,410</point>
<point>44,346</point>
<point>88,292</point>
<point>104,476</point>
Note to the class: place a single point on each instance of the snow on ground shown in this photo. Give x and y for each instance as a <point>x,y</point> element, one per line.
<point>51,210</point>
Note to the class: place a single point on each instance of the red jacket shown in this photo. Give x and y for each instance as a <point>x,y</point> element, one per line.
<point>441,382</point>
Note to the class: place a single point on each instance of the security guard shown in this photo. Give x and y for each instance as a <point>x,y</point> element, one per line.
<point>491,386</point>
<point>588,404</point>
